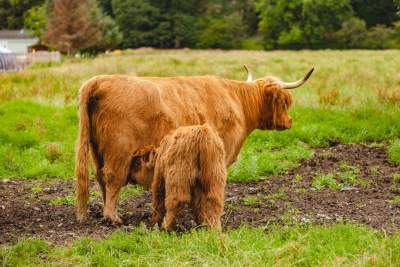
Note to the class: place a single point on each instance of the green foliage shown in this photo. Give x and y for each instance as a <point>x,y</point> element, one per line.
<point>353,33</point>
<point>322,18</point>
<point>321,181</point>
<point>375,12</point>
<point>298,24</point>
<point>12,12</point>
<point>35,20</point>
<point>394,152</point>
<point>222,32</point>
<point>342,244</point>
<point>111,36</point>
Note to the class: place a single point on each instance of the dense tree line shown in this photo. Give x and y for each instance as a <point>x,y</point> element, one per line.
<point>97,25</point>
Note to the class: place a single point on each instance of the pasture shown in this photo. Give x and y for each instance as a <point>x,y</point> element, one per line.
<point>326,192</point>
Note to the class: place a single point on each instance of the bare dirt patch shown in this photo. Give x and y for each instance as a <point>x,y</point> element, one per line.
<point>26,209</point>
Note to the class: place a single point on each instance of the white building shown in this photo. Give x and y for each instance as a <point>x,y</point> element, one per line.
<point>17,41</point>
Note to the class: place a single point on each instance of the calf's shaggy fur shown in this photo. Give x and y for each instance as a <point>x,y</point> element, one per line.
<point>188,168</point>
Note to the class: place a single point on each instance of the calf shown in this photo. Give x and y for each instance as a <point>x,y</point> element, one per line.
<point>188,168</point>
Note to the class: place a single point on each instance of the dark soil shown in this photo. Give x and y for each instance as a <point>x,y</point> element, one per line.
<point>284,199</point>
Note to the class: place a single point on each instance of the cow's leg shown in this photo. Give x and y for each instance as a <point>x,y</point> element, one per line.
<point>158,199</point>
<point>114,178</point>
<point>98,163</point>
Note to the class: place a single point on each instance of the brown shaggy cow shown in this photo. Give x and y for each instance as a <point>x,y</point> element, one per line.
<point>189,168</point>
<point>119,114</point>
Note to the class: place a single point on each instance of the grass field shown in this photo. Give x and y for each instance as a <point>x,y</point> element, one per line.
<point>353,97</point>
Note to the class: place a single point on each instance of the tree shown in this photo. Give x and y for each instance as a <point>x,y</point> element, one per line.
<point>353,33</point>
<point>322,18</point>
<point>12,12</point>
<point>138,21</point>
<point>70,26</point>
<point>375,12</point>
<point>222,33</point>
<point>299,23</point>
<point>35,20</point>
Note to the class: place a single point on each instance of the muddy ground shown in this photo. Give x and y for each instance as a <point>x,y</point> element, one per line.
<point>369,199</point>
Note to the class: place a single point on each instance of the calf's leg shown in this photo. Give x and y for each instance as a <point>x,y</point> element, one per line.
<point>158,199</point>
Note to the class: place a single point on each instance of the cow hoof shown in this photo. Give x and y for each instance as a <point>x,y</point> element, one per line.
<point>115,219</point>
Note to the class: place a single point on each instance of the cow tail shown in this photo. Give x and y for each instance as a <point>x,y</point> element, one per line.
<point>82,151</point>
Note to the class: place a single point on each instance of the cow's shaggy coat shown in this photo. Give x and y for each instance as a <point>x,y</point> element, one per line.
<point>189,168</point>
<point>120,114</point>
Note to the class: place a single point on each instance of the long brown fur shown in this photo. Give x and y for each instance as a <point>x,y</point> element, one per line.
<point>189,168</point>
<point>120,114</point>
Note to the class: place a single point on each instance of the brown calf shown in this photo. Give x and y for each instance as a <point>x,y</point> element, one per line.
<point>188,168</point>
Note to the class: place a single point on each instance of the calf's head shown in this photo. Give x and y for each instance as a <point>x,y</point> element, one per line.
<point>142,166</point>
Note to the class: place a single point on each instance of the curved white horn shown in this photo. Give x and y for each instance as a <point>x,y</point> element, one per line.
<point>249,75</point>
<point>297,83</point>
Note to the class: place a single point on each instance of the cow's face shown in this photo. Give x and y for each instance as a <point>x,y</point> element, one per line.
<point>142,167</point>
<point>277,102</point>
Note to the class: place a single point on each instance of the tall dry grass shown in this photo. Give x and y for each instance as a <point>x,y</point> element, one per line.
<point>352,76</point>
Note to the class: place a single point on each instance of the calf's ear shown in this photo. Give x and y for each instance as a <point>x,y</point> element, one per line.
<point>150,159</point>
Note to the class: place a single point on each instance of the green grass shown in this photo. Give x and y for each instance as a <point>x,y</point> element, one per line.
<point>36,140</point>
<point>343,101</point>
<point>321,181</point>
<point>396,201</point>
<point>338,245</point>
<point>251,200</point>
<point>394,152</point>
<point>39,122</point>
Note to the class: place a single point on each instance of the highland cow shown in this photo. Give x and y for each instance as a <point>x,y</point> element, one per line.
<point>119,114</point>
<point>188,168</point>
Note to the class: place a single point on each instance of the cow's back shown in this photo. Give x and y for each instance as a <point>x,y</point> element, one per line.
<point>132,112</point>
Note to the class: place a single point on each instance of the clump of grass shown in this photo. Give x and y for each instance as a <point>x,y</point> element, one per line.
<point>36,189</point>
<point>280,194</point>
<point>375,170</point>
<point>389,96</point>
<point>251,200</point>
<point>394,151</point>
<point>70,199</point>
<point>130,191</point>
<point>298,178</point>
<point>396,201</point>
<point>333,98</point>
<point>349,174</point>
<point>300,190</point>
<point>321,181</point>
<point>65,200</point>
<point>396,176</point>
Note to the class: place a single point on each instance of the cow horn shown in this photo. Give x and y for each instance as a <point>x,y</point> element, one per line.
<point>297,83</point>
<point>249,75</point>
